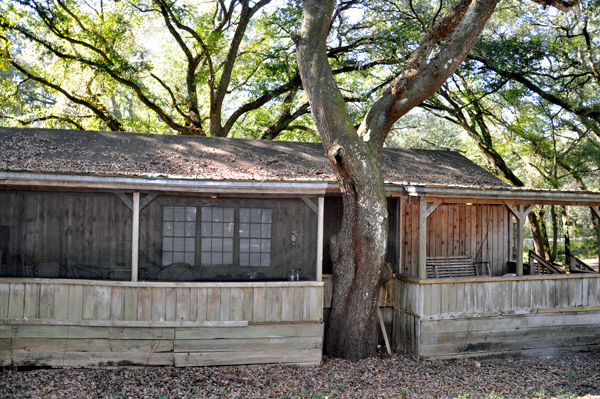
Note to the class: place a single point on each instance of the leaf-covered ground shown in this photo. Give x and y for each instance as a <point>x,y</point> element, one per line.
<point>398,376</point>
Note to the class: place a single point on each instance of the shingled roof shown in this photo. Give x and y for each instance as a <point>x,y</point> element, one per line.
<point>130,154</point>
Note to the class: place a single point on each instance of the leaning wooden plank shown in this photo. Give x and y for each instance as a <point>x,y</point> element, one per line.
<point>252,331</point>
<point>90,359</point>
<point>243,344</point>
<point>16,302</point>
<point>306,356</point>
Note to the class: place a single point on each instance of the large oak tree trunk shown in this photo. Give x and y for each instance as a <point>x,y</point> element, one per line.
<point>358,254</point>
<point>358,251</point>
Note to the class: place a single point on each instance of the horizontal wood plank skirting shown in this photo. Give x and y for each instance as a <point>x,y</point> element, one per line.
<point>412,279</point>
<point>570,310</point>
<point>151,284</point>
<point>90,346</point>
<point>87,323</point>
<point>498,316</point>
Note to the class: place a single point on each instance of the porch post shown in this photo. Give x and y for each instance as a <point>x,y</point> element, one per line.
<point>320,216</point>
<point>520,211</point>
<point>519,247</point>
<point>596,211</point>
<point>422,238</point>
<point>135,237</point>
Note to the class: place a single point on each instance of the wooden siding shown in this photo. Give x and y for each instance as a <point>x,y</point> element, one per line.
<point>96,300</point>
<point>94,230</point>
<point>478,231</point>
<point>67,228</point>
<point>489,317</point>
<point>82,323</point>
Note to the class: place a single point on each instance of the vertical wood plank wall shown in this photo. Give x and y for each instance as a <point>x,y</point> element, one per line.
<point>67,228</point>
<point>482,317</point>
<point>478,231</point>
<point>159,323</point>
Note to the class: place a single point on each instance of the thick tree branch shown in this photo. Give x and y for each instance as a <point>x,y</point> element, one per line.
<point>592,112</point>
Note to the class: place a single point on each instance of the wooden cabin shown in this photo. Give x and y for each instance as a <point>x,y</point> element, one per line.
<point>134,249</point>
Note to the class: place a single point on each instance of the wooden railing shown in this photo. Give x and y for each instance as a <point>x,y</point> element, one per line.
<point>542,266</point>
<point>53,299</point>
<point>576,265</point>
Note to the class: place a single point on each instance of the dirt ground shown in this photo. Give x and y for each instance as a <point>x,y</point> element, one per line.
<point>398,376</point>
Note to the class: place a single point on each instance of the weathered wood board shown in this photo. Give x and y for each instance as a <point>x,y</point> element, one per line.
<point>529,316</point>
<point>67,323</point>
<point>68,346</point>
<point>478,231</point>
<point>99,300</point>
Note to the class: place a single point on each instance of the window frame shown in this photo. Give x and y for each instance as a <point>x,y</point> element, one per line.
<point>236,233</point>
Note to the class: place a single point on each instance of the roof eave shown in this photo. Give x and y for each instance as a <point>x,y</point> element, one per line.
<point>508,195</point>
<point>131,183</point>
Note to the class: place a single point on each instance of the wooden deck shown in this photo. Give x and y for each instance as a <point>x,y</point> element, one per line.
<point>87,323</point>
<point>479,317</point>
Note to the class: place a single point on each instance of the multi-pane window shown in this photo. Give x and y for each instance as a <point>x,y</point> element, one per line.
<point>255,236</point>
<point>179,235</point>
<point>217,236</point>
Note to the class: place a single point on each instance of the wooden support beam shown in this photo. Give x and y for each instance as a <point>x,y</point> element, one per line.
<point>147,200</point>
<point>432,207</point>
<point>400,234</point>
<point>520,211</point>
<point>135,237</point>
<point>124,198</point>
<point>320,217</point>
<point>596,211</point>
<point>310,204</point>
<point>422,239</point>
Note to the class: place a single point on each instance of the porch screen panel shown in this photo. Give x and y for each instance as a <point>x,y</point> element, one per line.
<point>179,235</point>
<point>255,236</point>
<point>217,236</point>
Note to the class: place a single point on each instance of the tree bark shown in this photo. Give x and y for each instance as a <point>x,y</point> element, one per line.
<point>358,250</point>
